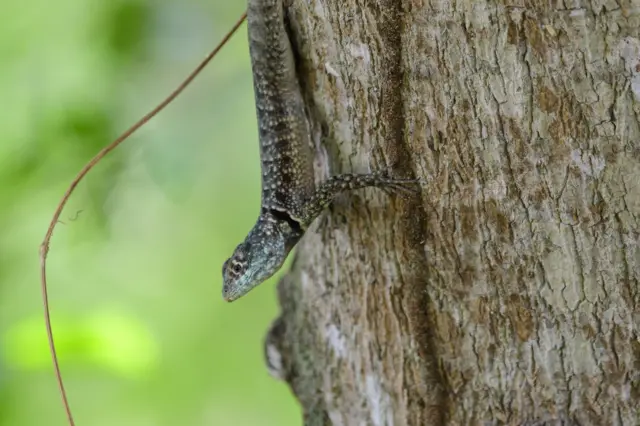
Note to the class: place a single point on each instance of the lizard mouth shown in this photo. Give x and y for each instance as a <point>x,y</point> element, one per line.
<point>228,295</point>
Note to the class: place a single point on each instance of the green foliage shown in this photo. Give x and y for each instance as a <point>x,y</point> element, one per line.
<point>143,335</point>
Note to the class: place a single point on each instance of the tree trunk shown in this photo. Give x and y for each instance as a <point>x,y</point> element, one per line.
<point>507,292</point>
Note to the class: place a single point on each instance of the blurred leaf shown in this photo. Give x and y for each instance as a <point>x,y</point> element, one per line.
<point>125,25</point>
<point>113,341</point>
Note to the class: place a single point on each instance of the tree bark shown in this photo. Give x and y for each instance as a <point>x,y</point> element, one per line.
<point>507,291</point>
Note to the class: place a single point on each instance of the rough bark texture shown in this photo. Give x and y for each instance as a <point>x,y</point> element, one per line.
<point>508,291</point>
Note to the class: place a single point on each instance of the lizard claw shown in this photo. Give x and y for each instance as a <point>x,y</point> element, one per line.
<point>390,184</point>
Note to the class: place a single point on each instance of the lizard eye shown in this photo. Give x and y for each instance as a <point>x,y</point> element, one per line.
<point>237,268</point>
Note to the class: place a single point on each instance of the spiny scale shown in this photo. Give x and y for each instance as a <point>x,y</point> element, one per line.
<point>290,202</point>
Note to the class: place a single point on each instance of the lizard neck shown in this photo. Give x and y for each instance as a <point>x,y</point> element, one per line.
<point>281,222</point>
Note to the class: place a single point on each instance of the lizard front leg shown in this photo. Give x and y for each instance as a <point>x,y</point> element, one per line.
<point>335,185</point>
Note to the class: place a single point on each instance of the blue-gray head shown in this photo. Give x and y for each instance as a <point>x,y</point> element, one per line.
<point>259,256</point>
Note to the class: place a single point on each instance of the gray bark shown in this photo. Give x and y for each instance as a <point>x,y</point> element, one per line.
<point>507,292</point>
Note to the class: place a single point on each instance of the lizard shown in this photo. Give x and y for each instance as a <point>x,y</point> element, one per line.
<point>290,199</point>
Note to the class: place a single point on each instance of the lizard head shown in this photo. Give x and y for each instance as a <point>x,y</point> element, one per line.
<point>258,257</point>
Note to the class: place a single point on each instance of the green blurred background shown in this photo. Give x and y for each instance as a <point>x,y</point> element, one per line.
<point>143,335</point>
